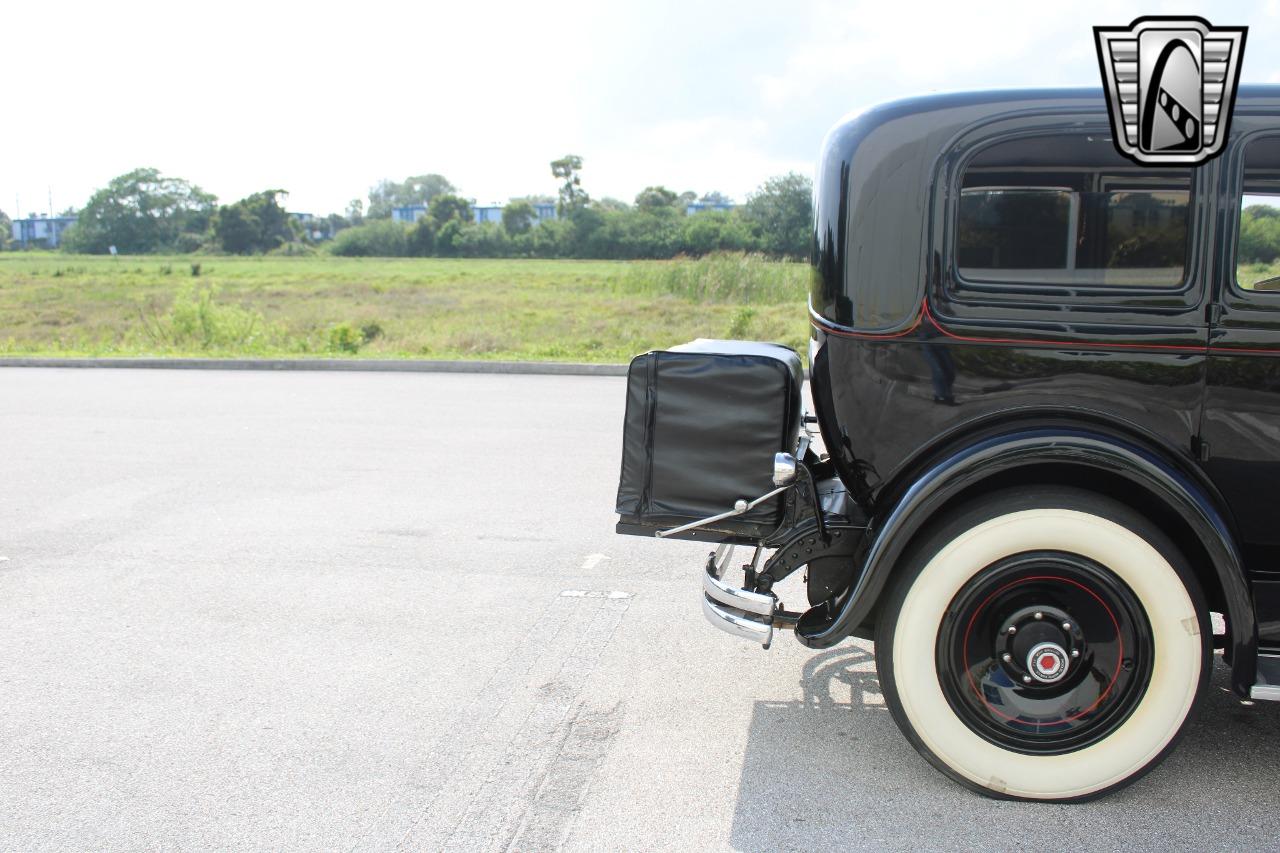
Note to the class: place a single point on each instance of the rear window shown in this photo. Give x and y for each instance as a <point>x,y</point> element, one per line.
<point>1069,210</point>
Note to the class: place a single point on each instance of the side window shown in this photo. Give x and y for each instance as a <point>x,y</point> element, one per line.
<point>1068,210</point>
<point>1015,228</point>
<point>1258,248</point>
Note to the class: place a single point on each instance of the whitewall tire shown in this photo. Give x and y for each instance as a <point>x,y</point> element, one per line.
<point>1044,644</point>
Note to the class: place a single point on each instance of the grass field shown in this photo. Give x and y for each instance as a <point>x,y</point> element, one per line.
<point>1249,276</point>
<point>53,304</point>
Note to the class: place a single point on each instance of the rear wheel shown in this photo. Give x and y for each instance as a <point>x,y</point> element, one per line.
<point>1044,644</point>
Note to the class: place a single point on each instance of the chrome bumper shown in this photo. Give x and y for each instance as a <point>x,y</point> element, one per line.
<point>744,614</point>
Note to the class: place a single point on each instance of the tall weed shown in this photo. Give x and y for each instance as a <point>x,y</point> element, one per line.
<point>196,319</point>
<point>724,277</point>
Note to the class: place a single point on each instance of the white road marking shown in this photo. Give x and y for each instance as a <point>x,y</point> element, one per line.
<point>594,593</point>
<point>594,560</point>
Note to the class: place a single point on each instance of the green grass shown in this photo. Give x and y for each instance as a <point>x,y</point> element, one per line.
<point>53,304</point>
<point>1249,275</point>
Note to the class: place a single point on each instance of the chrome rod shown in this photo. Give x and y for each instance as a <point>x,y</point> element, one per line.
<point>740,507</point>
<point>720,563</point>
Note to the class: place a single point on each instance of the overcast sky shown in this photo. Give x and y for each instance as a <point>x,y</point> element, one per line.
<point>323,101</point>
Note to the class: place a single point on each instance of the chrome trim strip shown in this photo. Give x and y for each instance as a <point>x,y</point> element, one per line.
<point>743,626</point>
<point>1266,688</point>
<point>740,599</point>
<point>1265,692</point>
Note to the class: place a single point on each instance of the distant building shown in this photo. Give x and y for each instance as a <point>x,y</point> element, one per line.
<point>313,229</point>
<point>542,211</point>
<point>486,213</point>
<point>701,206</point>
<point>45,231</point>
<point>408,214</point>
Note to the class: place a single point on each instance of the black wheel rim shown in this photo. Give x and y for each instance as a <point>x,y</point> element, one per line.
<point>1044,652</point>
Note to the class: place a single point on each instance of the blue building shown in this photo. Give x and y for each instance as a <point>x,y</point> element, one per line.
<point>408,214</point>
<point>542,211</point>
<point>486,213</point>
<point>41,231</point>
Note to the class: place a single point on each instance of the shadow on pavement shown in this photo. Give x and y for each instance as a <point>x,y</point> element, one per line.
<point>833,770</point>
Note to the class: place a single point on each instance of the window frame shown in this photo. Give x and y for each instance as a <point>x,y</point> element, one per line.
<point>966,291</point>
<point>1059,305</point>
<point>1257,299</point>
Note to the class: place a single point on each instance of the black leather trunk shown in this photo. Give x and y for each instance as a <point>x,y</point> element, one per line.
<point>703,422</point>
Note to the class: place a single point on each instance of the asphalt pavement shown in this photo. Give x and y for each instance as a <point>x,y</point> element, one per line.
<point>254,610</point>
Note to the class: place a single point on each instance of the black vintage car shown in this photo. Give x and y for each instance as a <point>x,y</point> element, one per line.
<point>1048,399</point>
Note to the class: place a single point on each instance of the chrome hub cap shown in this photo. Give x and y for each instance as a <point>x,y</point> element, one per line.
<point>1047,662</point>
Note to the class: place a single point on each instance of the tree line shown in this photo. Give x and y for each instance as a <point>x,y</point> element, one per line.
<point>145,211</point>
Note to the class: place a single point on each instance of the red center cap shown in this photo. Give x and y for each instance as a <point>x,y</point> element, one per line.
<point>1048,663</point>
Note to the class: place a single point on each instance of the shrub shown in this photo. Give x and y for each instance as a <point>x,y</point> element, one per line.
<point>740,325</point>
<point>383,238</point>
<point>449,239</point>
<point>652,233</point>
<point>717,231</point>
<point>551,239</point>
<point>197,320</point>
<point>422,238</point>
<point>485,240</point>
<point>343,338</point>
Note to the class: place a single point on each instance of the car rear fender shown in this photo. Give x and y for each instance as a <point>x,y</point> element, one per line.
<point>894,527</point>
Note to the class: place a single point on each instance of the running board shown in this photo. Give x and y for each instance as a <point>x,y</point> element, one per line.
<point>1267,688</point>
